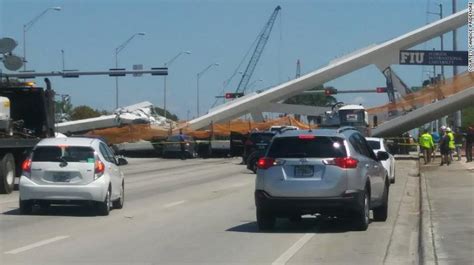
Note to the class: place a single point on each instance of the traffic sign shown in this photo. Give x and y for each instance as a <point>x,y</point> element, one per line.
<point>137,67</point>
<point>420,57</point>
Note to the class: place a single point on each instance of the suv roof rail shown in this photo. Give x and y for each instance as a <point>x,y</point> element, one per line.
<point>346,128</point>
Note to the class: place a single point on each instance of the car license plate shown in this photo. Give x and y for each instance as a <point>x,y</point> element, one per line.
<point>304,171</point>
<point>61,178</point>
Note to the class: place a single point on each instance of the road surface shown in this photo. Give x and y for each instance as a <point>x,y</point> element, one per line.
<point>202,212</point>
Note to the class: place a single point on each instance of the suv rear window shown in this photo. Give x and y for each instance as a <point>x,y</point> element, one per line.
<point>319,147</point>
<point>374,144</point>
<point>58,154</point>
<point>261,137</point>
<point>177,138</point>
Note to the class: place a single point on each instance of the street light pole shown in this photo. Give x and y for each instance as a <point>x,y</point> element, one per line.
<point>27,27</point>
<point>440,14</point>
<point>197,85</point>
<point>167,64</point>
<point>117,51</point>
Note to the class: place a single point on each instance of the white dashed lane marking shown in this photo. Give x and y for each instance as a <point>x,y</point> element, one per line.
<point>35,245</point>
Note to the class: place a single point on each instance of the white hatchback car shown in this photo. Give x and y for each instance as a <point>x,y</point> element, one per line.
<point>378,144</point>
<point>73,171</point>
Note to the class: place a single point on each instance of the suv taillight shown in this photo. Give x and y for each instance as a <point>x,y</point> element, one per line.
<point>26,165</point>
<point>266,162</point>
<point>343,162</point>
<point>98,169</point>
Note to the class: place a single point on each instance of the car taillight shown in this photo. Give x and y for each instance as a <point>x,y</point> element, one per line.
<point>98,169</point>
<point>306,137</point>
<point>343,162</point>
<point>266,162</point>
<point>26,166</point>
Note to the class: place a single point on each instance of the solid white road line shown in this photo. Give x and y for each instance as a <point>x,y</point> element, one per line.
<point>285,257</point>
<point>169,205</point>
<point>37,244</point>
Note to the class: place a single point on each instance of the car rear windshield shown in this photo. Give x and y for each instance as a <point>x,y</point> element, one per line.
<point>61,153</point>
<point>177,138</point>
<point>374,144</point>
<point>318,147</point>
<point>261,137</point>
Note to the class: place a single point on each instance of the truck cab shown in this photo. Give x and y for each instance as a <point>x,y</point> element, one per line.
<point>26,116</point>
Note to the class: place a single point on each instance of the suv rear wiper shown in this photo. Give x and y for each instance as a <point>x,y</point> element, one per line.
<point>63,161</point>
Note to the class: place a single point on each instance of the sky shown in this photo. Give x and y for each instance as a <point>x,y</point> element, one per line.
<point>214,31</point>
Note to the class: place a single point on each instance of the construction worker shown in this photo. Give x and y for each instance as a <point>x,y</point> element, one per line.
<point>452,146</point>
<point>426,144</point>
<point>436,137</point>
<point>469,143</point>
<point>458,142</point>
<point>444,147</point>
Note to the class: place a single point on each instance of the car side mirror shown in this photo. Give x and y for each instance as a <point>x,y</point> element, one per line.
<point>382,155</point>
<point>121,161</point>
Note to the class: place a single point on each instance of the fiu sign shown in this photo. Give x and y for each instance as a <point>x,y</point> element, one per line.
<point>419,57</point>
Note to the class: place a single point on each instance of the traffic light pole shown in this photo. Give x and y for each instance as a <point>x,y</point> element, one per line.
<point>346,91</point>
<point>76,74</point>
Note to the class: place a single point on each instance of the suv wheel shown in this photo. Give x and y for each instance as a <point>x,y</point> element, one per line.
<point>362,217</point>
<point>26,207</point>
<point>104,207</point>
<point>381,212</point>
<point>265,220</point>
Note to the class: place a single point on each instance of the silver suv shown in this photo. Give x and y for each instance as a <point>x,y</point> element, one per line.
<point>325,171</point>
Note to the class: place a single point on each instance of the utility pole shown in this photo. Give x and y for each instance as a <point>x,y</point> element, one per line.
<point>298,68</point>
<point>440,14</point>
<point>457,114</point>
<point>62,56</point>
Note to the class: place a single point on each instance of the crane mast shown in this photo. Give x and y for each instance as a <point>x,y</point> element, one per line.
<point>262,41</point>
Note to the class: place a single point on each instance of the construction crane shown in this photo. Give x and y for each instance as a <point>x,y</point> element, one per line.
<point>262,41</point>
<point>298,68</point>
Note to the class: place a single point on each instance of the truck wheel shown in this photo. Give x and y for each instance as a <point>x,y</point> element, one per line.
<point>26,207</point>
<point>7,174</point>
<point>381,212</point>
<point>252,161</point>
<point>265,220</point>
<point>362,214</point>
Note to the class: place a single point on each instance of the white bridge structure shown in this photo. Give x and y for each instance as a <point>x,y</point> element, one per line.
<point>381,55</point>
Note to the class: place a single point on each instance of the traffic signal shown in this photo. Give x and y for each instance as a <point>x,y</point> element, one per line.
<point>233,95</point>
<point>381,89</point>
<point>330,91</point>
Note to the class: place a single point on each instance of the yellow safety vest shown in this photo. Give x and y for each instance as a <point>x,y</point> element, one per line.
<point>451,140</point>
<point>426,140</point>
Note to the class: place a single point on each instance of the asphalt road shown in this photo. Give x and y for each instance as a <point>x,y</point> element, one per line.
<point>202,212</point>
